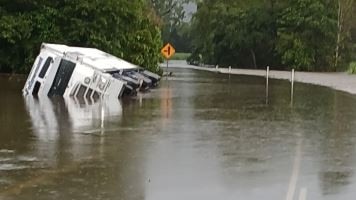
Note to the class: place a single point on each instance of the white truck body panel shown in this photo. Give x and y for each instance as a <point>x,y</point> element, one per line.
<point>89,71</point>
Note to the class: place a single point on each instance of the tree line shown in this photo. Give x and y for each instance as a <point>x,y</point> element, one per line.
<point>174,26</point>
<point>127,29</point>
<point>310,35</point>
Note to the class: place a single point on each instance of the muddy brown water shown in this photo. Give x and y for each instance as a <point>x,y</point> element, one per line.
<point>200,135</point>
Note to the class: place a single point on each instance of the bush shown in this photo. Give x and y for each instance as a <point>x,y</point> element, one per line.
<point>195,59</point>
<point>353,52</point>
<point>352,68</point>
<point>126,29</point>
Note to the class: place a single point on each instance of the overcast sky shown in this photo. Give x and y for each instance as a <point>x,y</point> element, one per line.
<point>190,9</point>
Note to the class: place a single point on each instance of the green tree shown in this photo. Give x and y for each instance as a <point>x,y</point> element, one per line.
<point>303,34</point>
<point>174,28</point>
<point>235,33</point>
<point>126,29</point>
<point>345,24</point>
<point>306,34</point>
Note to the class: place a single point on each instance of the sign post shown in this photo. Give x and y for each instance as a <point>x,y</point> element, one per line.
<point>168,51</point>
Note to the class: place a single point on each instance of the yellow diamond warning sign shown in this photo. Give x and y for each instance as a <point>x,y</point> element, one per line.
<point>168,51</point>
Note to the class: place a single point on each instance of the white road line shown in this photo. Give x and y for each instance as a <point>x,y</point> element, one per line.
<point>296,169</point>
<point>303,194</point>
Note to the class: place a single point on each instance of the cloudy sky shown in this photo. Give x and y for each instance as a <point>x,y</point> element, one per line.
<point>190,9</point>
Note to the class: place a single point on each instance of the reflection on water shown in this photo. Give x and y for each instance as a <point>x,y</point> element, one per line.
<point>198,136</point>
<point>338,150</point>
<point>50,116</point>
<point>68,120</point>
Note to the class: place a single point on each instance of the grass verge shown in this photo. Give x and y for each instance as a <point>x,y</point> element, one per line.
<point>352,68</point>
<point>180,56</point>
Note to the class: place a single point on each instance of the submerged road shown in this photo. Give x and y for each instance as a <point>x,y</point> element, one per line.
<point>198,136</point>
<point>337,80</point>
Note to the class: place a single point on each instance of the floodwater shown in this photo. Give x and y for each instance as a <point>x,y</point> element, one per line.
<point>200,135</point>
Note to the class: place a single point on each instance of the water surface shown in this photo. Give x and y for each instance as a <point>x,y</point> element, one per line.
<point>199,135</point>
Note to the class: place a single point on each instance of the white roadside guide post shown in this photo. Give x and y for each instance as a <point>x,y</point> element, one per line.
<point>292,86</point>
<point>167,65</point>
<point>229,73</point>
<point>267,84</point>
<point>168,51</point>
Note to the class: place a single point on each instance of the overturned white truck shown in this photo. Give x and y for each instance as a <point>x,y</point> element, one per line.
<point>89,73</point>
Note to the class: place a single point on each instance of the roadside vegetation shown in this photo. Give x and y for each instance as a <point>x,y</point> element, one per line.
<point>127,29</point>
<point>174,23</point>
<point>181,56</point>
<point>352,68</point>
<point>309,35</point>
